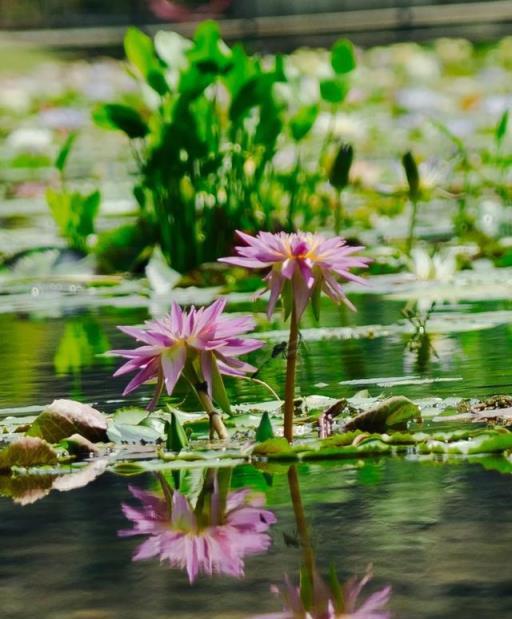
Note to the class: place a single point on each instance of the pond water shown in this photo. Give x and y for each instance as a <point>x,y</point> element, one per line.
<point>438,533</point>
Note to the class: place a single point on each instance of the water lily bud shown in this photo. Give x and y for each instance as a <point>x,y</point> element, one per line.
<point>413,176</point>
<point>341,167</point>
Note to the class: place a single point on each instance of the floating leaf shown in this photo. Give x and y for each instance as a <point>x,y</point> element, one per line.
<point>27,452</point>
<point>130,415</point>
<point>63,418</point>
<point>273,446</point>
<point>123,433</point>
<point>393,412</point>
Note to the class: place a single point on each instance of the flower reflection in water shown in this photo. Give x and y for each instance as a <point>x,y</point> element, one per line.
<point>315,598</point>
<point>334,601</point>
<point>215,536</point>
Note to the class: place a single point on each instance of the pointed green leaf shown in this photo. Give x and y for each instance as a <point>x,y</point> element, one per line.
<point>336,590</point>
<point>264,431</point>
<point>139,50</point>
<point>62,157</point>
<point>501,127</point>
<point>306,589</point>
<point>176,438</point>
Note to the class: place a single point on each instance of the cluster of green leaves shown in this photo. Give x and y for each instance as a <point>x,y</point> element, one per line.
<point>205,140</point>
<point>74,212</point>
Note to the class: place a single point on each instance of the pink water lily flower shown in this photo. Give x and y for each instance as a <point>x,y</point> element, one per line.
<point>177,535</point>
<point>310,262</point>
<point>203,339</point>
<point>325,605</point>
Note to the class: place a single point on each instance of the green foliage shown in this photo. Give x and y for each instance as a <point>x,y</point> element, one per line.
<point>176,439</point>
<point>343,59</point>
<point>64,152</point>
<point>121,117</point>
<point>264,431</point>
<point>303,121</point>
<point>334,90</point>
<point>501,128</point>
<point>206,149</point>
<point>74,213</point>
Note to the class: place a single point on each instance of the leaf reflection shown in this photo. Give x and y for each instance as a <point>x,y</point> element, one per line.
<point>213,536</point>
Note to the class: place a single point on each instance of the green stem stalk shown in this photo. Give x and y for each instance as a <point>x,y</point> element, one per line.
<point>412,226</point>
<point>338,213</point>
<point>300,521</point>
<point>158,392</point>
<point>216,424</point>
<point>291,365</point>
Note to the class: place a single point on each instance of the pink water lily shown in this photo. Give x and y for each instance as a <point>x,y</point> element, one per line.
<point>310,262</point>
<point>180,537</point>
<point>327,605</point>
<point>203,340</point>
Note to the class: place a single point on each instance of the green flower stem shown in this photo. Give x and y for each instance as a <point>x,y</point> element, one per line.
<point>167,490</point>
<point>412,225</point>
<point>153,403</point>
<point>338,214</point>
<point>300,521</point>
<point>216,424</point>
<point>291,365</point>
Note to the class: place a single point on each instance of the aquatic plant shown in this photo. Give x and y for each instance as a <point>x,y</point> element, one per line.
<point>200,345</point>
<point>214,537</point>
<point>206,138</point>
<point>74,212</point>
<point>301,266</point>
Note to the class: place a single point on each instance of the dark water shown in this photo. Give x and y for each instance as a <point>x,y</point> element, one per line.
<point>440,534</point>
<point>44,358</point>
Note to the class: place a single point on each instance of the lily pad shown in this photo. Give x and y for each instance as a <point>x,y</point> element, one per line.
<point>393,412</point>
<point>27,452</point>
<point>63,418</point>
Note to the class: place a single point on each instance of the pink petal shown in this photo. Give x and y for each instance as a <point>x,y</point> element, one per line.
<point>173,362</point>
